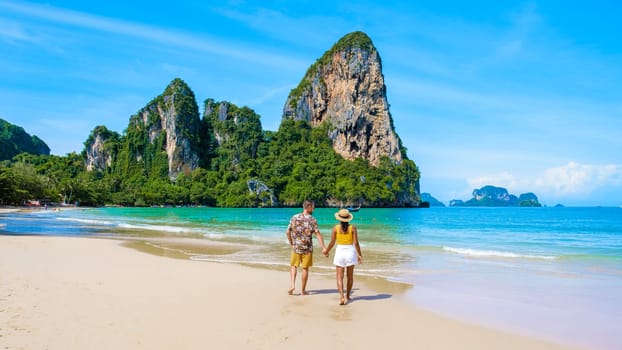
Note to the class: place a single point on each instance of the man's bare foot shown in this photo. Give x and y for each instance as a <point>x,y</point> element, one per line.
<point>304,292</point>
<point>290,291</point>
<point>342,301</point>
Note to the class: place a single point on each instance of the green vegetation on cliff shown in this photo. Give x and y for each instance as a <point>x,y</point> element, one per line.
<point>228,159</point>
<point>144,149</point>
<point>349,41</point>
<point>296,162</point>
<point>14,140</point>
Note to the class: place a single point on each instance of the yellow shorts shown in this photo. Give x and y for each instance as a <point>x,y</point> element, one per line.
<point>302,260</point>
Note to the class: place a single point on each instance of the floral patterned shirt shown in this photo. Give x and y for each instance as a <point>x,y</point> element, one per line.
<point>301,228</point>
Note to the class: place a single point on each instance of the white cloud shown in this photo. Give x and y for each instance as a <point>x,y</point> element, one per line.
<point>145,32</point>
<point>574,178</point>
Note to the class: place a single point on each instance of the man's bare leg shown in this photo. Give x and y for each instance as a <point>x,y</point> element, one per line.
<point>350,277</point>
<point>340,270</point>
<point>305,277</point>
<point>292,273</point>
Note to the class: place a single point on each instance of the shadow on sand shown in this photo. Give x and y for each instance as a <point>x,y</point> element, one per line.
<point>371,297</point>
<point>354,296</point>
<point>323,291</point>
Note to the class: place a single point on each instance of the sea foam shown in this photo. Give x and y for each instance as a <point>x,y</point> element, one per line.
<point>88,221</point>
<point>495,254</point>
<point>161,228</point>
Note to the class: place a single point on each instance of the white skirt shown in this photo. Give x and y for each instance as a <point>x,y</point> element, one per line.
<point>345,255</point>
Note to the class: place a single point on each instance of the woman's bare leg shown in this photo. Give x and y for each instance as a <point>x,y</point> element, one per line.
<point>340,271</point>
<point>350,276</point>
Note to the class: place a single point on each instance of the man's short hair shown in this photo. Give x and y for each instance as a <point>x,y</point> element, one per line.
<point>308,204</point>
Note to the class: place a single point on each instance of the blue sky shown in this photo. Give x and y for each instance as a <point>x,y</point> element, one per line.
<point>526,95</point>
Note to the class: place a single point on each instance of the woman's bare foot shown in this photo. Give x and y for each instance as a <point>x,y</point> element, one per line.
<point>290,291</point>
<point>342,301</point>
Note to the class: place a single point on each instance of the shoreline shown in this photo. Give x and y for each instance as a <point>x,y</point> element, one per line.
<point>120,297</point>
<point>26,209</point>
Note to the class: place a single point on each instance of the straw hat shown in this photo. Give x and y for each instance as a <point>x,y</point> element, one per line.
<point>344,215</point>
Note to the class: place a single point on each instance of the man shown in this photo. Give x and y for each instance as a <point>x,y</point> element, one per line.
<point>300,236</point>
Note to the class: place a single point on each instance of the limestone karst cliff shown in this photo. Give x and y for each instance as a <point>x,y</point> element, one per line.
<point>170,122</point>
<point>345,88</point>
<point>98,154</point>
<point>336,144</point>
<point>235,129</point>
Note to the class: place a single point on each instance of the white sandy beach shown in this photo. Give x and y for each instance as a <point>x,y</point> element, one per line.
<point>85,293</point>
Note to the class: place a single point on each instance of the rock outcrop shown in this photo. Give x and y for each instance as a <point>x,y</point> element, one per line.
<point>98,155</point>
<point>168,123</point>
<point>264,194</point>
<point>496,194</point>
<point>528,199</point>
<point>345,88</point>
<point>456,203</point>
<point>233,128</point>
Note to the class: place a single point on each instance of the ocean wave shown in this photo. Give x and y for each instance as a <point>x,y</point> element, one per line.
<point>148,227</point>
<point>214,236</point>
<point>159,228</point>
<point>88,221</point>
<point>208,233</point>
<point>496,254</point>
<point>242,237</point>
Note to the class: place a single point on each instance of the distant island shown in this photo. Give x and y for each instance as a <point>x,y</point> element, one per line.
<point>492,196</point>
<point>426,197</point>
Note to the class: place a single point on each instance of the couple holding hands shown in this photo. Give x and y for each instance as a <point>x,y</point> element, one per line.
<point>300,233</point>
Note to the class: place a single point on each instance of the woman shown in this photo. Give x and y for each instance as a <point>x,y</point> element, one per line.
<point>347,253</point>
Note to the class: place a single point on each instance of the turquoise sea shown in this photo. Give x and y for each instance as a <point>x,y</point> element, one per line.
<point>554,273</point>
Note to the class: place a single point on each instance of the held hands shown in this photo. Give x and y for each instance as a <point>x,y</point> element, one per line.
<point>325,252</point>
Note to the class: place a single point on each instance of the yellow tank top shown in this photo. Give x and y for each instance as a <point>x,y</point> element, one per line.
<point>344,238</point>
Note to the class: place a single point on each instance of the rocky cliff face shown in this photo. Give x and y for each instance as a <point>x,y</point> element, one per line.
<point>98,155</point>
<point>237,130</point>
<point>345,88</point>
<point>170,123</point>
<point>493,193</point>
